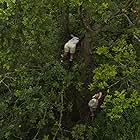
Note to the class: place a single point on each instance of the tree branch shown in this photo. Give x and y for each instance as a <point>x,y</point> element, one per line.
<point>36,134</point>
<point>2,80</point>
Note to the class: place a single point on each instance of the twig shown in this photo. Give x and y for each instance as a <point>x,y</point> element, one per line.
<point>117,82</point>
<point>136,38</point>
<point>60,119</point>
<point>10,78</point>
<point>114,84</point>
<point>36,134</point>
<point>7,86</point>
<point>17,137</point>
<point>5,76</point>
<point>2,80</point>
<point>129,4</point>
<point>119,13</point>
<point>130,22</point>
<point>121,85</point>
<point>65,130</point>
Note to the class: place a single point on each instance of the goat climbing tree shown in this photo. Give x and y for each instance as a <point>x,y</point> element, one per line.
<point>40,99</point>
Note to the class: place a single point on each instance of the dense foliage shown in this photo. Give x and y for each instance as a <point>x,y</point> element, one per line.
<point>43,99</point>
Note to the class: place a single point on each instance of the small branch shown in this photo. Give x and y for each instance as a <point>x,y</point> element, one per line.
<point>127,5</point>
<point>2,80</point>
<point>36,134</point>
<point>130,22</point>
<point>10,78</point>
<point>127,84</point>
<point>117,82</point>
<point>114,84</point>
<point>65,130</point>
<point>7,87</point>
<point>136,38</point>
<point>17,137</point>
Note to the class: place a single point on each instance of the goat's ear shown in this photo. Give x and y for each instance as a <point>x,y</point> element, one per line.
<point>71,35</point>
<point>100,95</point>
